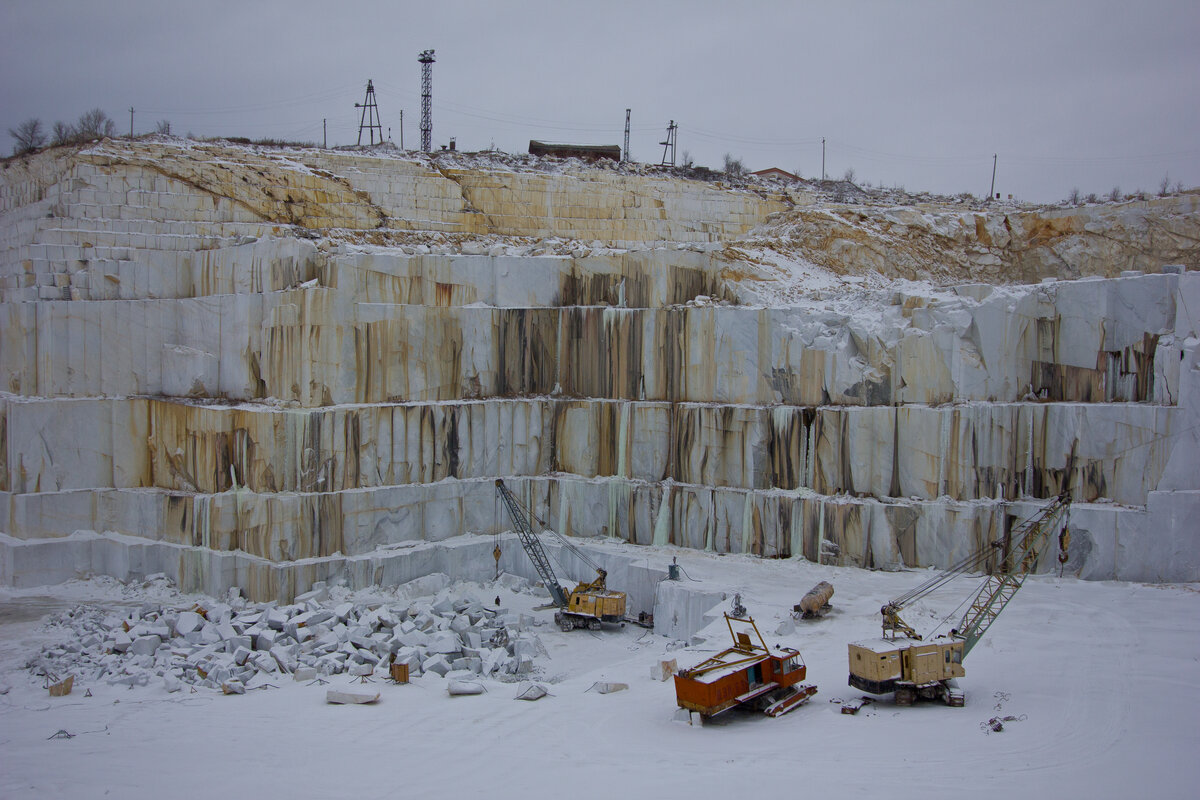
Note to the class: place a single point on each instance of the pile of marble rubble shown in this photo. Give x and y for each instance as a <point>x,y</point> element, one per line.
<point>234,645</point>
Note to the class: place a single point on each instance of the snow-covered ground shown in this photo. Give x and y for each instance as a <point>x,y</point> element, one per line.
<point>1100,677</point>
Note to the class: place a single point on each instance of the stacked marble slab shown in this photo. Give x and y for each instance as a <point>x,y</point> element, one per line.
<point>211,369</point>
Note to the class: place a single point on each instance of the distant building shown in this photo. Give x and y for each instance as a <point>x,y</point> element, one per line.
<point>775,172</point>
<point>587,152</point>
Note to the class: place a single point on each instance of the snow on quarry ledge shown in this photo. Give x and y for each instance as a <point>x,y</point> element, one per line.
<point>266,369</point>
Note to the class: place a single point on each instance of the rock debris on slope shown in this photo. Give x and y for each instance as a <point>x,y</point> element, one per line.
<point>235,645</point>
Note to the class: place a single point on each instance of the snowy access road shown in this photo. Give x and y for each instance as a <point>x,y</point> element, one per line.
<point>1101,678</point>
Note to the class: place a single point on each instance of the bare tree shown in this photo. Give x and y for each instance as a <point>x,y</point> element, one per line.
<point>1092,198</point>
<point>1115,194</point>
<point>94,124</point>
<point>848,176</point>
<point>163,127</point>
<point>63,133</point>
<point>1074,197</point>
<point>734,168</point>
<point>1164,188</point>
<point>29,136</point>
<point>687,159</point>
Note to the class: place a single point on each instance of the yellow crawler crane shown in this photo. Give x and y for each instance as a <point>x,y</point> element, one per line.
<point>588,604</point>
<point>912,668</point>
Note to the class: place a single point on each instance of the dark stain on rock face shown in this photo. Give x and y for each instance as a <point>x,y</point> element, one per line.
<point>527,350</point>
<point>785,448</point>
<point>452,444</point>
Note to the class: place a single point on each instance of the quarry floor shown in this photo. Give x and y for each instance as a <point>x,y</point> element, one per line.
<point>1102,679</point>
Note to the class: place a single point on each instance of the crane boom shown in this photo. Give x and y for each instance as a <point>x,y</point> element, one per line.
<point>1020,553</point>
<point>533,546</point>
<point>588,604</point>
<point>1028,542</point>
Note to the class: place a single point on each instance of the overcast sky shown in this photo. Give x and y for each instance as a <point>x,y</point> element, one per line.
<point>920,94</point>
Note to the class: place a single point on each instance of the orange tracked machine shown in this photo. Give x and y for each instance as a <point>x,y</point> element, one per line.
<point>747,674</point>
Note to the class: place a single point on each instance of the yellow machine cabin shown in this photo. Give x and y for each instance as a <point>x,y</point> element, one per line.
<point>602,604</point>
<point>885,665</point>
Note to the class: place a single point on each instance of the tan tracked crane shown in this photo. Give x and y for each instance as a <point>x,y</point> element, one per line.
<point>588,604</point>
<point>914,669</point>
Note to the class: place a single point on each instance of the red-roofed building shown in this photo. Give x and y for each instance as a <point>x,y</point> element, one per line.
<point>775,172</point>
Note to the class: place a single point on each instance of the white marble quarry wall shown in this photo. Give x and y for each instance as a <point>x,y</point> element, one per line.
<point>318,536</point>
<point>219,359</point>
<point>87,271</point>
<point>592,205</point>
<point>317,189</point>
<point>629,279</point>
<point>1091,340</point>
<point>199,569</point>
<point>965,452</point>
<point>88,265</point>
<point>320,346</point>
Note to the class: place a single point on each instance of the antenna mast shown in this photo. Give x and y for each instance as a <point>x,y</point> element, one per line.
<point>370,116</point>
<point>426,58</point>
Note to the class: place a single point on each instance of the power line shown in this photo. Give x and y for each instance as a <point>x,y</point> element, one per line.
<point>751,140</point>
<point>517,119</point>
<point>280,103</point>
<point>844,149</point>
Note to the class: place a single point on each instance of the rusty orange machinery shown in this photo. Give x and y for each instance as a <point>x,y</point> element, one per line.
<point>747,674</point>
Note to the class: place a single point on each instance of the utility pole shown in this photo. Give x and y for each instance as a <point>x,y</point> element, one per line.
<point>402,129</point>
<point>131,122</point>
<point>669,144</point>
<point>370,116</point>
<point>626,158</point>
<point>822,158</point>
<point>992,191</point>
<point>325,133</point>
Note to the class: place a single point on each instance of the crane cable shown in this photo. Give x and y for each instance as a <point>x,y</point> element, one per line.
<point>1032,525</point>
<point>981,555</point>
<point>496,534</point>
<point>569,545</point>
<point>950,573</point>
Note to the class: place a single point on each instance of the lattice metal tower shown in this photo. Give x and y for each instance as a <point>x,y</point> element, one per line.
<point>626,158</point>
<point>426,58</point>
<point>370,116</point>
<point>669,145</point>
